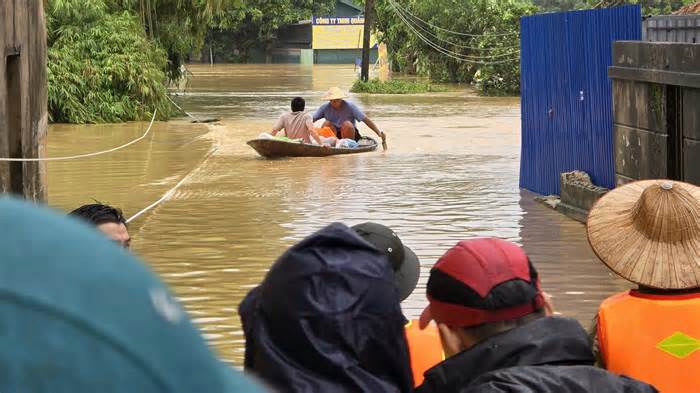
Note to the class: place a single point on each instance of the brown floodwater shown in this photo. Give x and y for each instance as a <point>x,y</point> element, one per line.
<point>451,173</point>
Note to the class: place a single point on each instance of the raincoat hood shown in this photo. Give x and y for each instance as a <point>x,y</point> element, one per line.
<point>327,318</point>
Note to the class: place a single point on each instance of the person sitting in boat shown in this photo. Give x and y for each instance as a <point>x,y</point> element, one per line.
<point>327,318</point>
<point>341,116</point>
<point>497,330</point>
<point>297,124</point>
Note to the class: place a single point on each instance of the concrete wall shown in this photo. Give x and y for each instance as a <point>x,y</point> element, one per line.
<point>23,97</point>
<point>672,28</point>
<point>656,107</point>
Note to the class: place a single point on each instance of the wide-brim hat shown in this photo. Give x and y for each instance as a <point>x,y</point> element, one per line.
<point>335,93</point>
<point>648,232</point>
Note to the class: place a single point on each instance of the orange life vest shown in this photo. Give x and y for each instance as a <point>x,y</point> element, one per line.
<point>425,349</point>
<point>652,338</point>
<point>325,132</point>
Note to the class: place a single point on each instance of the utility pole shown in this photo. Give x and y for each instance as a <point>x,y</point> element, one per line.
<point>364,73</point>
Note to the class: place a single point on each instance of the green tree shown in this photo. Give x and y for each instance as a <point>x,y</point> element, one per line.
<point>178,26</point>
<point>484,52</point>
<point>254,23</point>
<point>101,66</point>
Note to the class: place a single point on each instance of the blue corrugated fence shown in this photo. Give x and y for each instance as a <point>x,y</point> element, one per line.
<point>566,98</point>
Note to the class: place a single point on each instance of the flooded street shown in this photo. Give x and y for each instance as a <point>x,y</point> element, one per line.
<point>451,172</point>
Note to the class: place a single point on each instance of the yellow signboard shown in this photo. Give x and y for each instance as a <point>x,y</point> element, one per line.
<point>339,33</point>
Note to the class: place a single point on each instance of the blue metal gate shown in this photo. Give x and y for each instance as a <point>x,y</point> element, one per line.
<point>566,97</point>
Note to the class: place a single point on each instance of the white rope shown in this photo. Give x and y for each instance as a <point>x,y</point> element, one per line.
<point>461,46</point>
<point>184,111</point>
<point>171,191</point>
<point>445,51</point>
<point>87,154</point>
<point>456,32</point>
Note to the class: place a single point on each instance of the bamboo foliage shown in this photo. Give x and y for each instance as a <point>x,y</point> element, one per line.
<point>101,66</point>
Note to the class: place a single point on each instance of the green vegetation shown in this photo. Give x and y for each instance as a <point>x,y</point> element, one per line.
<point>375,86</point>
<point>485,51</point>
<point>649,7</point>
<point>487,56</point>
<point>254,24</point>
<point>108,59</point>
<point>101,67</point>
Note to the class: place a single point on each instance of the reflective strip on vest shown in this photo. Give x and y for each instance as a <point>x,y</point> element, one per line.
<point>652,338</point>
<point>425,349</point>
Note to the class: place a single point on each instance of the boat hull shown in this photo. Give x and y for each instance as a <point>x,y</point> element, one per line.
<point>271,148</point>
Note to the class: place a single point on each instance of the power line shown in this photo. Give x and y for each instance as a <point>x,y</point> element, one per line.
<point>445,51</point>
<point>458,45</point>
<point>450,31</point>
<point>478,57</point>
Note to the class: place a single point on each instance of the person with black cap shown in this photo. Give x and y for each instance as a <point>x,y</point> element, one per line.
<point>327,318</point>
<point>423,344</point>
<point>497,330</point>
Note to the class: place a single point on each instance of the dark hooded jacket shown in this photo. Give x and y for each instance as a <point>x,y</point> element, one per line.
<point>326,318</point>
<point>543,356</point>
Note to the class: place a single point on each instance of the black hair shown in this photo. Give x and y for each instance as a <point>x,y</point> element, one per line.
<point>97,213</point>
<point>298,104</point>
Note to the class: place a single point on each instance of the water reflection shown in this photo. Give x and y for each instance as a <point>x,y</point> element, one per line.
<point>451,173</point>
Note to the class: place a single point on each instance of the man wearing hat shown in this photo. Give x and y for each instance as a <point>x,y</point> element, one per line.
<point>342,115</point>
<point>648,232</point>
<point>498,332</point>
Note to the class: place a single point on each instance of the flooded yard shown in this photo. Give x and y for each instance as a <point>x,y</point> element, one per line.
<point>451,173</point>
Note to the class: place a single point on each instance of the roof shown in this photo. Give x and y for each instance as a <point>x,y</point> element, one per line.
<point>689,9</point>
<point>351,3</point>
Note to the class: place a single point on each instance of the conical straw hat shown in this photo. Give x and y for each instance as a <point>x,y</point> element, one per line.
<point>335,93</point>
<point>648,232</point>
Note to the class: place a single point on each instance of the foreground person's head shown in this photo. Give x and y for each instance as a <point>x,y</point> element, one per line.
<point>481,288</point>
<point>327,318</point>
<point>648,232</point>
<point>403,261</point>
<point>92,319</point>
<point>107,219</point>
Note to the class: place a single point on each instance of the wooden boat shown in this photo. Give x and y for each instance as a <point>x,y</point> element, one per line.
<point>273,148</point>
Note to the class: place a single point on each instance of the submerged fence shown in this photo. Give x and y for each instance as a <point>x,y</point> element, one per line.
<point>566,108</point>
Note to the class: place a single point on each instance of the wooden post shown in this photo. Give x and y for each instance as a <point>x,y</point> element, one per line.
<point>23,97</point>
<point>364,72</point>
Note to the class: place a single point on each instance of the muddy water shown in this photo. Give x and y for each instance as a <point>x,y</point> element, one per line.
<point>451,172</point>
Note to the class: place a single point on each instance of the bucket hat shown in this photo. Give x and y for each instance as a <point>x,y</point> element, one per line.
<point>648,232</point>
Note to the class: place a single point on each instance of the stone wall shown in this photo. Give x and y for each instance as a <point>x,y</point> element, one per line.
<point>656,110</point>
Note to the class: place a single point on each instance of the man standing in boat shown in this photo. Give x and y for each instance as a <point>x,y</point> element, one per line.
<point>341,116</point>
